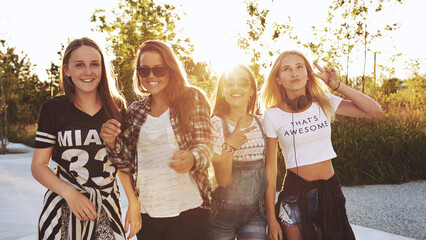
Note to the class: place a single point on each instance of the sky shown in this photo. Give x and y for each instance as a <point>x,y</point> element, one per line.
<point>38,28</point>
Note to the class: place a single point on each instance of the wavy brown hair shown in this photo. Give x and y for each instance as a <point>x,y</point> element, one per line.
<point>221,106</point>
<point>273,94</point>
<point>112,101</point>
<point>178,94</point>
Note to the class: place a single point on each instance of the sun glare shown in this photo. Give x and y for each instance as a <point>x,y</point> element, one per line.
<point>221,57</point>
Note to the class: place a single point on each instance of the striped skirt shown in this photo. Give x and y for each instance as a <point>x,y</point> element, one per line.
<point>58,223</point>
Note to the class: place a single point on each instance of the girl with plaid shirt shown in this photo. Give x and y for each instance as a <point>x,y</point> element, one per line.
<point>166,145</point>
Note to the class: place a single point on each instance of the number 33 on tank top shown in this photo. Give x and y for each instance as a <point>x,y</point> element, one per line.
<point>83,156</point>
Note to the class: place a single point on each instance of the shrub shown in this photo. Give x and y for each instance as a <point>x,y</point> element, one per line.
<point>22,134</point>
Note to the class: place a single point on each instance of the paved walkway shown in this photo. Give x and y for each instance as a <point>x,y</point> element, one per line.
<point>21,201</point>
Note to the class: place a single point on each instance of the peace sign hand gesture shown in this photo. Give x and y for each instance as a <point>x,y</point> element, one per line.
<point>329,76</point>
<point>238,137</point>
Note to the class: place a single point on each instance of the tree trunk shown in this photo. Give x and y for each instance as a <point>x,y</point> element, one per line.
<point>374,71</point>
<point>347,63</point>
<point>347,71</point>
<point>365,57</point>
<point>3,133</point>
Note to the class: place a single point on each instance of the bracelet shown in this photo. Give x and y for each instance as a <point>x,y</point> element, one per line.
<point>228,148</point>
<point>338,85</point>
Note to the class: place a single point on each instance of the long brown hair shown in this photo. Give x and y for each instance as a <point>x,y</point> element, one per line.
<point>112,101</point>
<point>273,94</point>
<point>221,106</point>
<point>177,92</point>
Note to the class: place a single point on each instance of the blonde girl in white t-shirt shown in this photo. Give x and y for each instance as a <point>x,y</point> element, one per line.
<point>298,116</point>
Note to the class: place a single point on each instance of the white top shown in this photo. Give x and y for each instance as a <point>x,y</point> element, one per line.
<point>252,150</point>
<point>311,131</point>
<point>163,191</point>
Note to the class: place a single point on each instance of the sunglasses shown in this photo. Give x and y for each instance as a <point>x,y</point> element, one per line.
<point>159,71</point>
<point>242,83</point>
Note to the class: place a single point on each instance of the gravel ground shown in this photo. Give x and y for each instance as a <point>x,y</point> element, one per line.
<point>398,209</point>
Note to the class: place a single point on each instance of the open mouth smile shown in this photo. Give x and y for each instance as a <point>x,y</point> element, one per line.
<point>153,83</point>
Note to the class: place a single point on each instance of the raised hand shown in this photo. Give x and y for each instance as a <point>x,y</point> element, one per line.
<point>238,137</point>
<point>329,76</point>
<point>109,132</point>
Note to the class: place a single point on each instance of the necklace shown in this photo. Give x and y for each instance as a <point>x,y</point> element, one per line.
<point>245,123</point>
<point>89,109</point>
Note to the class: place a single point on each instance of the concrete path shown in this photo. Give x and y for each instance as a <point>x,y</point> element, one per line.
<point>21,199</point>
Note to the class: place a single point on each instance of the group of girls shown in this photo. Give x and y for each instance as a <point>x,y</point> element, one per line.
<point>163,146</point>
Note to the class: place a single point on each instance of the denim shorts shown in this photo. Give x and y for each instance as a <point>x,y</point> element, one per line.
<point>228,221</point>
<point>289,210</point>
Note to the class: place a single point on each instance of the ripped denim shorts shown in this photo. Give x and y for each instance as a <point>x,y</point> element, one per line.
<point>289,212</point>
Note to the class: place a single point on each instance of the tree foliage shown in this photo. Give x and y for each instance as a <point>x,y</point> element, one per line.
<point>349,31</point>
<point>53,74</point>
<point>135,21</point>
<point>22,92</point>
<point>391,85</point>
<point>260,33</point>
<point>416,84</point>
<point>201,75</point>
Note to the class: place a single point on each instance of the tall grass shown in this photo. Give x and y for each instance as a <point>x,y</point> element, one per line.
<point>389,149</point>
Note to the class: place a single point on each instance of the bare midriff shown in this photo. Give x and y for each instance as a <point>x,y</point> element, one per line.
<point>322,170</point>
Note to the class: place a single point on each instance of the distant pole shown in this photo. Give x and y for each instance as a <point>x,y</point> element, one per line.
<point>365,56</point>
<point>374,71</point>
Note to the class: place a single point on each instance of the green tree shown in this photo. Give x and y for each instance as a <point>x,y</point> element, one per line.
<point>201,75</point>
<point>416,84</point>
<point>22,93</point>
<point>349,31</point>
<point>391,85</point>
<point>54,73</point>
<point>325,48</point>
<point>135,21</point>
<point>260,33</point>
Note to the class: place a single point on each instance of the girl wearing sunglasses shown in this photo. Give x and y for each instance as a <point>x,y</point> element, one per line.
<point>238,160</point>
<point>166,145</point>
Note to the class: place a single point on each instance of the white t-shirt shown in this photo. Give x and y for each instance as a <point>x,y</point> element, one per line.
<point>311,131</point>
<point>162,191</point>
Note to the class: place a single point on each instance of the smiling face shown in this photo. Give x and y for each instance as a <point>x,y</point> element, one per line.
<point>85,69</point>
<point>293,75</point>
<point>156,81</point>
<point>237,88</point>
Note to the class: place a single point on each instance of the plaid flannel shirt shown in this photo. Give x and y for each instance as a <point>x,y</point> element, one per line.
<point>198,141</point>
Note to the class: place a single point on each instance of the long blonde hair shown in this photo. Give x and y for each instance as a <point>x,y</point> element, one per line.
<point>273,94</point>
